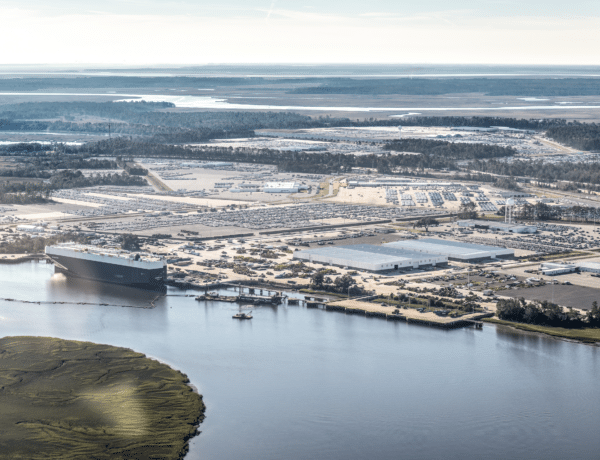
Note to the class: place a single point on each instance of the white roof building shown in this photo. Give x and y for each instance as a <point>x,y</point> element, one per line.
<point>370,257</point>
<point>30,229</point>
<point>453,250</point>
<point>281,187</point>
<point>593,267</point>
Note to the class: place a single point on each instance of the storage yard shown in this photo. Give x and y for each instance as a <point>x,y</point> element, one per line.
<point>525,142</point>
<point>221,221</point>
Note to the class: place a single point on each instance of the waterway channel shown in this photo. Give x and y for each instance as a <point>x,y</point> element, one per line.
<point>299,383</point>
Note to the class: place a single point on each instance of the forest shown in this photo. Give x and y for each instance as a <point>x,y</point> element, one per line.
<point>584,136</point>
<point>157,132</point>
<point>146,117</point>
<point>39,192</point>
<point>323,85</point>
<point>436,154</point>
<point>583,173</point>
<point>438,86</point>
<point>546,314</point>
<point>544,212</point>
<point>28,245</point>
<point>450,150</point>
<point>121,82</point>
<point>41,166</point>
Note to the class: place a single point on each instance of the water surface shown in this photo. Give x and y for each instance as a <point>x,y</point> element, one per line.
<point>295,383</point>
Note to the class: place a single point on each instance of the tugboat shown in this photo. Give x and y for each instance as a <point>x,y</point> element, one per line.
<point>241,315</point>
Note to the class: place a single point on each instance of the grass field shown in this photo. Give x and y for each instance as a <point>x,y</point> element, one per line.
<point>63,399</point>
<point>583,335</point>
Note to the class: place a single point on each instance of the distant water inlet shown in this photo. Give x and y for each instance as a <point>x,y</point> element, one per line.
<point>208,102</point>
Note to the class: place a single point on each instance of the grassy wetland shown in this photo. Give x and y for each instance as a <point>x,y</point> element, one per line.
<point>586,334</point>
<point>73,400</point>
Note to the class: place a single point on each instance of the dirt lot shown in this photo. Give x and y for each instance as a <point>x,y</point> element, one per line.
<point>573,296</point>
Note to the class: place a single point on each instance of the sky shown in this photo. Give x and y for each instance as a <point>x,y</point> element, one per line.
<point>186,32</point>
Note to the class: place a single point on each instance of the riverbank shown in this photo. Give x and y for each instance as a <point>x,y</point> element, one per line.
<point>371,305</point>
<point>586,335</point>
<point>20,258</point>
<point>65,399</point>
<point>410,315</point>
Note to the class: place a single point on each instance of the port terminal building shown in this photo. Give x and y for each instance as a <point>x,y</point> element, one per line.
<point>371,257</point>
<point>497,226</point>
<point>282,187</point>
<point>550,268</point>
<point>453,250</point>
<point>592,267</point>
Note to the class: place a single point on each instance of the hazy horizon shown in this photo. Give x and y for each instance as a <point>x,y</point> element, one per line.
<point>293,31</point>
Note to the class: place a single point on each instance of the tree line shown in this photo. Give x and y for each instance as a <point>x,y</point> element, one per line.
<point>545,313</point>
<point>434,154</point>
<point>32,116</point>
<point>551,173</point>
<point>326,85</point>
<point>39,192</point>
<point>438,86</point>
<point>28,245</point>
<point>41,166</point>
<point>584,136</point>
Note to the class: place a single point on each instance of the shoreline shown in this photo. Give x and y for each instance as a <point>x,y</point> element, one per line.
<point>189,384</point>
<point>329,302</point>
<point>9,259</point>
<point>130,404</point>
<point>357,306</point>
<point>549,331</point>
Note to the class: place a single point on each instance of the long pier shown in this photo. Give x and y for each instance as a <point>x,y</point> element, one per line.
<point>263,296</point>
<point>456,324</point>
<point>255,296</point>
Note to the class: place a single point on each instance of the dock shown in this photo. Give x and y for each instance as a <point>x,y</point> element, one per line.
<point>263,297</point>
<point>357,307</point>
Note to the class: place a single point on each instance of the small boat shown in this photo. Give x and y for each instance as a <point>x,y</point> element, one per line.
<point>242,315</point>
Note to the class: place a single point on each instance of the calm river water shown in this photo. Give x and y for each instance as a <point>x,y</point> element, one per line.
<point>307,384</point>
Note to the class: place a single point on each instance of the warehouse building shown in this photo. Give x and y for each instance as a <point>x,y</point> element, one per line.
<point>552,269</point>
<point>370,257</point>
<point>30,229</point>
<point>281,187</point>
<point>395,183</point>
<point>592,267</point>
<point>498,226</point>
<point>453,250</point>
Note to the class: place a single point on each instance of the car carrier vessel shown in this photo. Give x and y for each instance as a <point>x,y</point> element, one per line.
<point>109,265</point>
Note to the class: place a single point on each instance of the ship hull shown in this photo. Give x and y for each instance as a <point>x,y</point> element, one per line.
<point>110,273</point>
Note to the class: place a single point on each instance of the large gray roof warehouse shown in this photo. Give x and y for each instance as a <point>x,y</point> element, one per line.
<point>370,257</point>
<point>454,250</point>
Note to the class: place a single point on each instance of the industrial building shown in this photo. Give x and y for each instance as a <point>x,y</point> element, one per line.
<point>453,250</point>
<point>555,268</point>
<point>593,267</point>
<point>513,194</point>
<point>370,257</point>
<point>281,187</point>
<point>552,269</point>
<point>498,226</point>
<point>30,229</point>
<point>396,183</point>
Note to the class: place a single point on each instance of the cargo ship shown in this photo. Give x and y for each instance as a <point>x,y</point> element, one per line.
<point>109,265</point>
